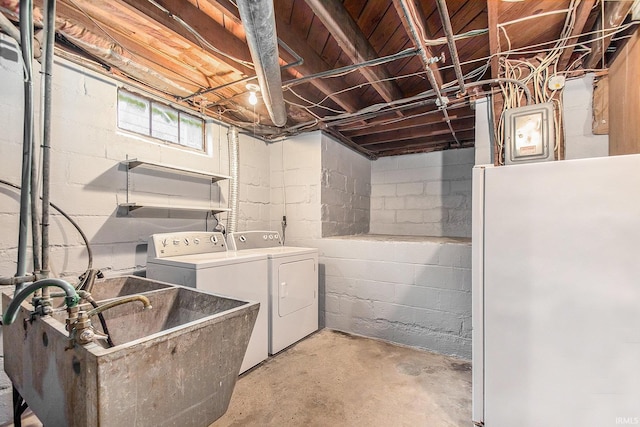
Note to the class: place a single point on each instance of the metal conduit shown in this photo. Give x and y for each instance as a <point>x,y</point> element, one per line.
<point>417,40</point>
<point>448,31</point>
<point>26,36</point>
<point>50,16</point>
<point>258,19</point>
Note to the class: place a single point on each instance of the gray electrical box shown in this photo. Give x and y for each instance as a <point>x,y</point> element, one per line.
<point>529,134</point>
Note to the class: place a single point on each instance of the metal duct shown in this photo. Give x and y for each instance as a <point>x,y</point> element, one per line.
<point>258,18</point>
<point>234,171</point>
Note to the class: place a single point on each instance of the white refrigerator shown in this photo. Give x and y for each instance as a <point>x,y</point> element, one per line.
<point>556,293</point>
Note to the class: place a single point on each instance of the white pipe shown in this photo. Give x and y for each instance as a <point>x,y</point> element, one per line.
<point>234,172</point>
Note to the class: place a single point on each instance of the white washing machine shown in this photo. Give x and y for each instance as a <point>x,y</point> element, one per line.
<point>293,285</point>
<point>201,260</point>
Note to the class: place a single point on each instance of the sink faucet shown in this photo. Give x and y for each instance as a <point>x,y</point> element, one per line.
<point>80,328</point>
<point>71,297</point>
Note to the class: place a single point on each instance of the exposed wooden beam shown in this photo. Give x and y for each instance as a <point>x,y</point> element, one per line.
<point>207,28</point>
<point>313,63</point>
<point>212,32</point>
<point>582,14</point>
<point>421,119</point>
<point>422,24</point>
<point>355,45</point>
<point>418,142</point>
<point>425,131</point>
<point>423,149</point>
<point>177,70</point>
<point>492,17</point>
<point>615,13</point>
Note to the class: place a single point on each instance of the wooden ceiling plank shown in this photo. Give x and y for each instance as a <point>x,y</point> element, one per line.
<point>209,29</point>
<point>373,128</point>
<point>353,42</point>
<point>492,18</point>
<point>418,149</point>
<point>582,14</point>
<point>313,63</point>
<point>175,69</point>
<point>422,23</point>
<point>426,130</point>
<point>615,13</point>
<point>422,141</point>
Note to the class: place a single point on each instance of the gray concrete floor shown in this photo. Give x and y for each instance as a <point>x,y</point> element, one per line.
<point>335,379</point>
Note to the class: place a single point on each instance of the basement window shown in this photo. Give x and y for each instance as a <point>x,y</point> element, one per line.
<point>151,118</point>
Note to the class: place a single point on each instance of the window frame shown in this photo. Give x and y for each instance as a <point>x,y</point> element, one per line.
<point>150,102</point>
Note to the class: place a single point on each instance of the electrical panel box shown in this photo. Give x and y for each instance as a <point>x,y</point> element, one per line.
<point>529,134</point>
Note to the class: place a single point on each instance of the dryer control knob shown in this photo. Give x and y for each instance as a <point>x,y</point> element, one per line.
<point>186,241</point>
<point>214,239</point>
<point>164,242</point>
<point>196,241</point>
<point>242,238</point>
<point>176,242</point>
<point>264,237</point>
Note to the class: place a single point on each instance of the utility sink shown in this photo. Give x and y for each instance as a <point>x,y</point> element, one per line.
<point>173,365</point>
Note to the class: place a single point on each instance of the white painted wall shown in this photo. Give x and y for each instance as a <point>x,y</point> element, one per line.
<point>88,180</point>
<point>426,194</point>
<point>346,189</point>
<point>577,100</point>
<point>295,186</point>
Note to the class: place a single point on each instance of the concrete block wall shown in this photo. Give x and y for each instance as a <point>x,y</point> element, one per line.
<point>88,179</point>
<point>295,186</point>
<point>577,101</point>
<point>255,178</point>
<point>346,189</point>
<point>425,194</point>
<point>416,293</point>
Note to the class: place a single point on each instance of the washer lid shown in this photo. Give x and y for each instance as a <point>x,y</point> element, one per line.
<point>281,251</point>
<point>209,260</point>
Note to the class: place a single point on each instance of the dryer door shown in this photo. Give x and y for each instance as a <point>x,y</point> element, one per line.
<point>296,287</point>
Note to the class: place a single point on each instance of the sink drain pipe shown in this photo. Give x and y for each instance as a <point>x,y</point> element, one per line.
<point>234,172</point>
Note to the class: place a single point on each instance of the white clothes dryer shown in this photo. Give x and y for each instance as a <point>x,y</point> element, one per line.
<point>293,285</point>
<point>201,260</point>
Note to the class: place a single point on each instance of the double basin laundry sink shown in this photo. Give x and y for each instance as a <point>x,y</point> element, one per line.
<point>173,365</point>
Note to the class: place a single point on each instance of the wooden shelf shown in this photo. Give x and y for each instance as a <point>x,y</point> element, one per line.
<point>134,163</point>
<point>135,206</point>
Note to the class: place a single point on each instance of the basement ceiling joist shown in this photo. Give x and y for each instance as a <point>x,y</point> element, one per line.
<point>363,74</point>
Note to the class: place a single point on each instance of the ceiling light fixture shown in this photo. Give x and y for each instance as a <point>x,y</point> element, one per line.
<point>253,88</point>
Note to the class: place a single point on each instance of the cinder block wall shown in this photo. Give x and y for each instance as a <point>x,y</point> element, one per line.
<point>425,194</point>
<point>577,102</point>
<point>88,179</point>
<point>410,292</point>
<point>346,189</point>
<point>295,186</point>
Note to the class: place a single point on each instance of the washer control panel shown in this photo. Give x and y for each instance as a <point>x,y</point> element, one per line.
<point>185,243</point>
<point>253,240</point>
